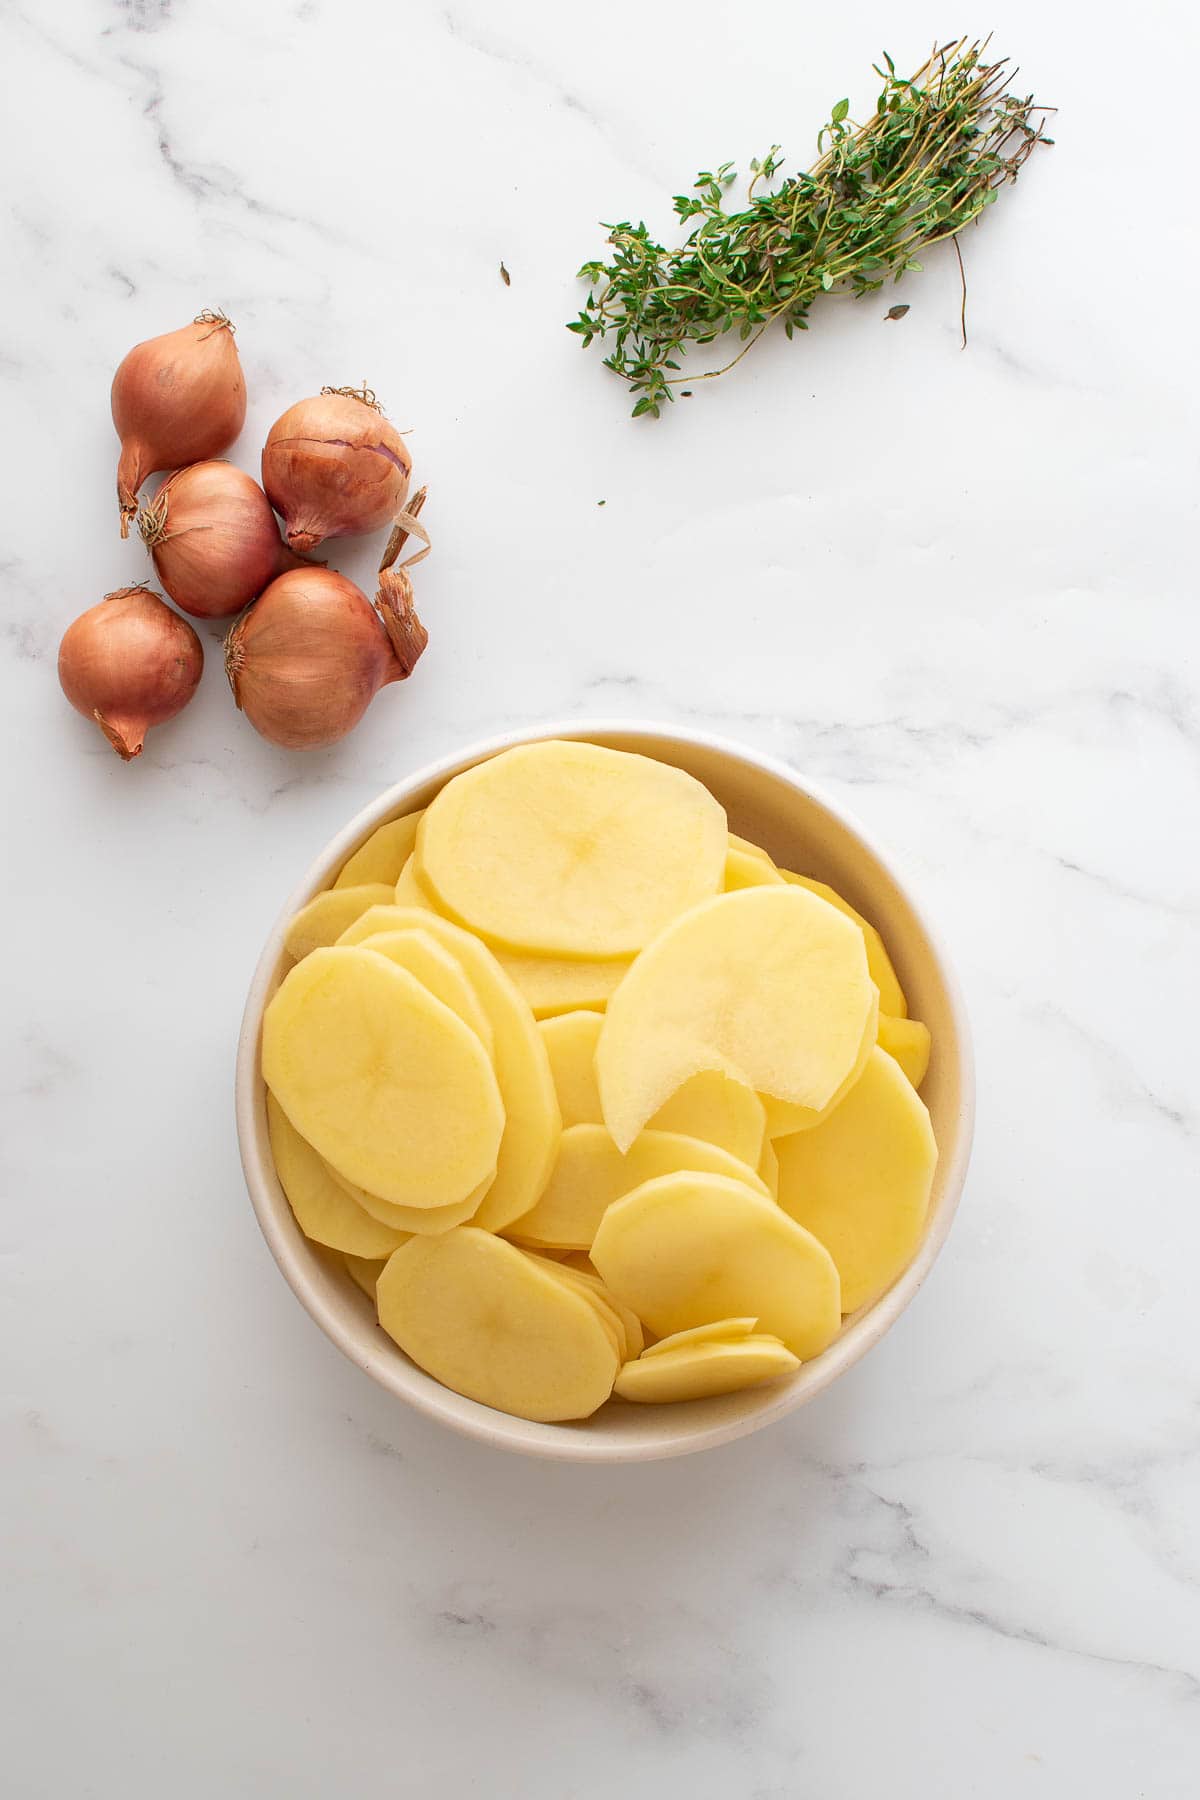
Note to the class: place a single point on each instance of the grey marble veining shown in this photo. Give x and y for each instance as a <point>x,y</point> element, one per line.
<point>957,588</point>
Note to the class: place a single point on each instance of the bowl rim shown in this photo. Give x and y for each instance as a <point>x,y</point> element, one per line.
<point>484,1424</point>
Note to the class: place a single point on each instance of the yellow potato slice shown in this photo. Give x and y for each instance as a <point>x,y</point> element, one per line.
<point>689,1249</point>
<point>891,994</point>
<point>365,1271</point>
<point>748,849</point>
<point>386,1083</point>
<point>383,855</point>
<point>720,1331</point>
<point>425,1221</point>
<point>579,1265</point>
<point>718,1109</point>
<point>768,1168</point>
<point>485,1320</point>
<point>532,1121</point>
<point>570,1042</point>
<point>559,984</point>
<point>569,849</point>
<point>594,1296</point>
<point>437,969</point>
<point>746,868</point>
<point>590,1173</point>
<point>909,1042</point>
<point>768,985</point>
<point>699,1371</point>
<point>409,890</point>
<point>325,918</point>
<point>783,1117</point>
<point>861,1181</point>
<point>323,1212</point>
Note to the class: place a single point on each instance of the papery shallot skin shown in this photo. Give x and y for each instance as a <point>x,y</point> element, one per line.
<point>129,663</point>
<point>333,466</point>
<point>214,539</point>
<point>176,399</point>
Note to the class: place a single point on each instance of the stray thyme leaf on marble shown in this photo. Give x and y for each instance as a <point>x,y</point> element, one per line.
<point>936,152</point>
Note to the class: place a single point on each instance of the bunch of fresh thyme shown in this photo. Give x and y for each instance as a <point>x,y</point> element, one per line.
<point>939,147</point>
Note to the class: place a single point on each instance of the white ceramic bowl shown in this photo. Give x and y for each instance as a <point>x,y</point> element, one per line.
<point>802,830</point>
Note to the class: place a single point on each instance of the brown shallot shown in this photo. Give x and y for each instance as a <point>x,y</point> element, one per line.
<point>333,466</point>
<point>176,399</point>
<point>129,663</point>
<point>306,660</point>
<point>214,539</point>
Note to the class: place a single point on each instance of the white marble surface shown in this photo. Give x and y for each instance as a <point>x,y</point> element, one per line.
<point>957,588</point>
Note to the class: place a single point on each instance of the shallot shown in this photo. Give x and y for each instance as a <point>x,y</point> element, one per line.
<point>214,539</point>
<point>129,663</point>
<point>333,466</point>
<point>176,399</point>
<point>306,660</point>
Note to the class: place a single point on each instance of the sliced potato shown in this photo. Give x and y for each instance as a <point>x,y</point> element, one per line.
<point>783,1116</point>
<point>768,985</point>
<point>410,891</point>
<point>323,1212</point>
<point>570,1042</point>
<point>386,1083</point>
<point>891,994</point>
<point>439,970</point>
<point>484,1319</point>
<point>559,984</point>
<point>423,1221</point>
<point>688,1249</point>
<point>746,868</point>
<point>590,1173</point>
<point>748,849</point>
<point>325,918</point>
<point>720,1331</point>
<point>908,1041</point>
<point>768,1168</point>
<point>861,1181</point>
<point>699,1371</point>
<point>580,1266</point>
<point>532,1121</point>
<point>383,855</point>
<point>596,1298</point>
<point>569,849</point>
<point>364,1272</point>
<point>718,1109</point>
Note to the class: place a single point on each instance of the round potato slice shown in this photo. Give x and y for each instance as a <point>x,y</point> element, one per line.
<point>559,984</point>
<point>721,1331</point>
<point>768,985</point>
<point>698,1371</point>
<point>909,1042</point>
<point>891,994</point>
<point>578,1265</point>
<point>689,1249</point>
<point>386,1083</point>
<point>323,1211</point>
<point>424,1221</point>
<point>861,1181</point>
<point>718,1109</point>
<point>365,1271</point>
<point>532,1122</point>
<point>325,918</point>
<point>570,1042</point>
<point>570,849</point>
<point>595,1296</point>
<point>747,868</point>
<point>409,891</point>
<point>590,1173</point>
<point>485,1320</point>
<point>383,855</point>
<point>784,1116</point>
<point>749,849</point>
<point>437,969</point>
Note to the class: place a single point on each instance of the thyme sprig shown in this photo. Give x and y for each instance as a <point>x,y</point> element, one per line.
<point>936,152</point>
